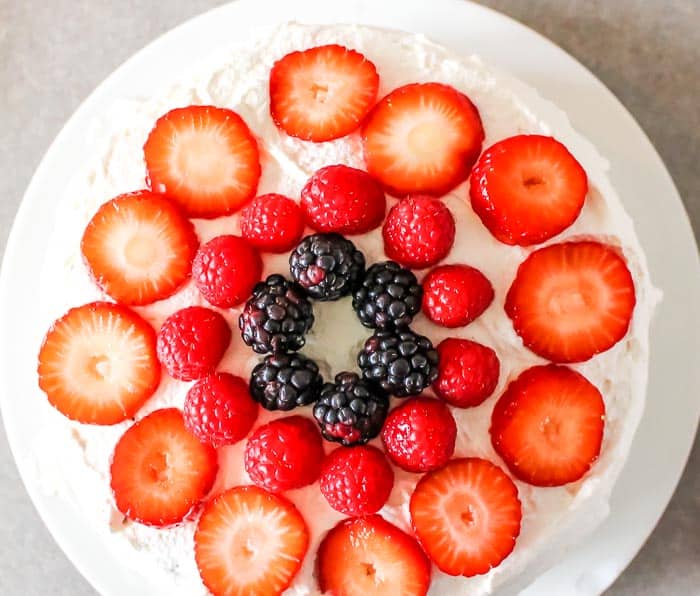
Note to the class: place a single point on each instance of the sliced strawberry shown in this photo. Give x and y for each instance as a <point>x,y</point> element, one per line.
<point>160,471</point>
<point>248,542</point>
<point>204,158</point>
<point>527,189</point>
<point>98,363</point>
<point>548,425</point>
<point>322,93</point>
<point>571,301</point>
<point>422,139</point>
<point>466,516</point>
<point>368,556</point>
<point>139,248</point>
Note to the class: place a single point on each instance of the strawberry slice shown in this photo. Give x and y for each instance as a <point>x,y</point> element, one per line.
<point>322,93</point>
<point>249,541</point>
<point>466,516</point>
<point>527,189</point>
<point>160,471</point>
<point>422,139</point>
<point>98,363</point>
<point>139,248</point>
<point>571,301</point>
<point>204,158</point>
<point>368,556</point>
<point>548,425</point>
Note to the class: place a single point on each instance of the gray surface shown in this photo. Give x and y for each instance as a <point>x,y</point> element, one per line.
<point>53,53</point>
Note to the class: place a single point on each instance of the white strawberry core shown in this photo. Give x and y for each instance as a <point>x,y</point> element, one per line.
<point>202,159</point>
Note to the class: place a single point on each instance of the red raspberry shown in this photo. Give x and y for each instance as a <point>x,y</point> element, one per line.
<point>284,454</point>
<point>356,480</point>
<point>219,409</point>
<point>418,232</point>
<point>344,200</point>
<point>225,270</point>
<point>455,295</point>
<point>272,223</point>
<point>420,434</point>
<point>467,372</point>
<point>192,341</point>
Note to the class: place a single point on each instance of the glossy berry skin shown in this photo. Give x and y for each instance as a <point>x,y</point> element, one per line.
<point>455,295</point>
<point>419,231</point>
<point>420,434</point>
<point>219,410</point>
<point>285,381</point>
<point>356,480</point>
<point>225,270</point>
<point>467,372</point>
<point>272,223</point>
<point>284,454</point>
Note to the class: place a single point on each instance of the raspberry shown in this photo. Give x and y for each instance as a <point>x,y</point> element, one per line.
<point>225,270</point>
<point>219,410</point>
<point>284,454</point>
<point>467,372</point>
<point>272,222</point>
<point>419,435</point>
<point>455,295</point>
<point>418,232</point>
<point>344,200</point>
<point>356,480</point>
<point>192,341</point>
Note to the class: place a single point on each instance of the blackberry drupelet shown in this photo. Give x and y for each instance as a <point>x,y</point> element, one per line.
<point>285,381</point>
<point>351,411</point>
<point>276,316</point>
<point>327,266</point>
<point>400,361</point>
<point>388,297</point>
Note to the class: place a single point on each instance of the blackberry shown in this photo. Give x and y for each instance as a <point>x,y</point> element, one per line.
<point>388,297</point>
<point>351,411</point>
<point>285,381</point>
<point>327,266</point>
<point>400,361</point>
<point>276,316</point>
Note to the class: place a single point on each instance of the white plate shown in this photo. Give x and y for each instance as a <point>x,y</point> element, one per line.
<point>665,435</point>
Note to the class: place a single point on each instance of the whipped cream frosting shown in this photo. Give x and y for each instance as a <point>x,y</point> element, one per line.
<point>72,460</point>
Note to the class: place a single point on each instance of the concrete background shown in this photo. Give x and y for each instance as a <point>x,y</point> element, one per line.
<point>54,52</point>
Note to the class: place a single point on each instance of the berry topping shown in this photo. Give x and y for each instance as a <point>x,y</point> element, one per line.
<point>139,248</point>
<point>350,411</point>
<point>284,454</point>
<point>219,410</point>
<point>418,232</point>
<point>571,301</point>
<point>455,295</point>
<point>419,435</point>
<point>225,270</point>
<point>388,297</point>
<point>548,425</point>
<point>322,93</point>
<point>466,516</point>
<point>327,266</point>
<point>422,138</point>
<point>285,381</point>
<point>344,200</point>
<point>204,158</point>
<point>192,342</point>
<point>160,471</point>
<point>356,480</point>
<point>249,541</point>
<point>276,316</point>
<point>272,223</point>
<point>467,372</point>
<point>527,189</point>
<point>400,361</point>
<point>98,363</point>
<point>364,556</point>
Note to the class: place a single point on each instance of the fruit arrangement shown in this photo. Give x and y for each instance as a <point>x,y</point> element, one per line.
<point>101,362</point>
